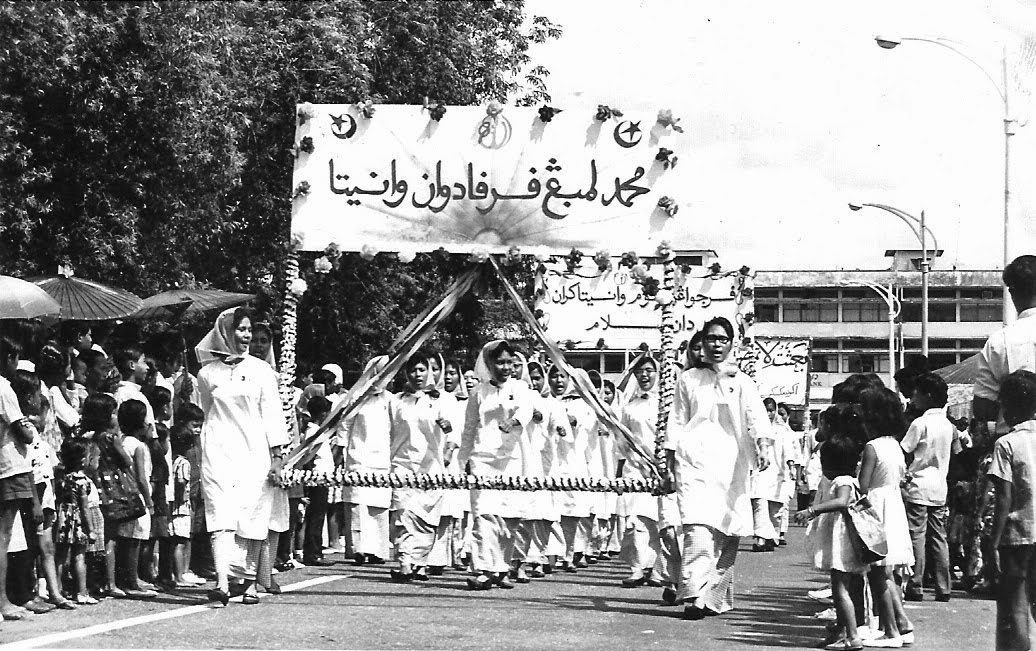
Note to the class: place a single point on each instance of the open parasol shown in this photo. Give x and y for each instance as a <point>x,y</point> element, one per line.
<point>88,300</point>
<point>20,299</point>
<point>180,302</point>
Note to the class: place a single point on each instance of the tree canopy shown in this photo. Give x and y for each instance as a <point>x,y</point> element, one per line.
<point>149,144</point>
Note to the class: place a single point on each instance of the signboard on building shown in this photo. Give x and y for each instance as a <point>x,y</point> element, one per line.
<point>589,308</point>
<point>467,178</point>
<point>779,366</point>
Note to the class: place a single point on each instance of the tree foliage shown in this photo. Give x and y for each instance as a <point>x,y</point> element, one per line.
<point>149,144</point>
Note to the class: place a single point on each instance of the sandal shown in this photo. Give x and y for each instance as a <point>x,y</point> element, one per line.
<point>16,614</point>
<point>249,599</point>
<point>62,603</point>
<point>844,645</point>
<point>85,600</point>
<point>218,596</point>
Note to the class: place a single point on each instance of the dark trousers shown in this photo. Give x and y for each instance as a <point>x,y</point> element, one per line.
<point>928,534</point>
<point>1014,597</point>
<point>312,548</point>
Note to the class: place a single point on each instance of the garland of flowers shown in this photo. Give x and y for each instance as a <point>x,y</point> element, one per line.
<point>667,370</point>
<point>339,477</point>
<point>289,331</point>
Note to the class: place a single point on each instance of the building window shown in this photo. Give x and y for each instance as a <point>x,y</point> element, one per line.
<point>811,312</point>
<point>865,363</point>
<point>766,312</point>
<point>864,311</point>
<point>825,344</point>
<point>824,363</point>
<point>585,361</point>
<point>614,362</point>
<point>942,312</point>
<point>981,312</point>
<point>911,313</point>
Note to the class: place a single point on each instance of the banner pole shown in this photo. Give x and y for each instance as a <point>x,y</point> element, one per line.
<point>667,372</point>
<point>289,334</point>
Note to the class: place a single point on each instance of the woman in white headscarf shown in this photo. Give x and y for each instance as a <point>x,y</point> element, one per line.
<point>454,525</point>
<point>498,412</point>
<point>576,506</point>
<point>718,433</point>
<point>601,464</point>
<point>418,438</point>
<point>241,454</point>
<point>446,403</point>
<point>365,444</point>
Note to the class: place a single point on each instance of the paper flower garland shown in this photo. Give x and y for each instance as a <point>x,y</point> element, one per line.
<point>665,250</point>
<point>301,190</point>
<point>573,259</point>
<point>478,256</point>
<point>436,111</point>
<point>366,108</point>
<point>296,242</point>
<point>603,260</point>
<point>650,286</point>
<point>629,259</point>
<point>322,265</point>
<point>664,297</point>
<point>306,111</point>
<point>406,257</point>
<point>668,205</point>
<point>306,145</point>
<point>298,287</point>
<point>715,269</point>
<point>604,113</point>
<point>367,252</point>
<point>494,109</point>
<point>666,119</point>
<point>547,113</point>
<point>666,157</point>
<point>639,272</point>
<point>514,256</point>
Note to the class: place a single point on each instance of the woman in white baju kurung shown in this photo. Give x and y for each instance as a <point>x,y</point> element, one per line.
<point>539,449</point>
<point>718,432</point>
<point>418,439</point>
<point>443,552</point>
<point>498,412</point>
<point>240,449</point>
<point>608,537</point>
<point>602,505</point>
<point>768,488</point>
<point>365,441</point>
<point>455,528</point>
<point>575,506</point>
<point>639,511</point>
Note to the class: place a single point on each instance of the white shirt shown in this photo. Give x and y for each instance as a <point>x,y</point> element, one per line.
<point>931,438</point>
<point>1012,348</point>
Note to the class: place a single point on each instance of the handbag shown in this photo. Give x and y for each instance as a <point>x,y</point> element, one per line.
<point>117,487</point>
<point>866,531</point>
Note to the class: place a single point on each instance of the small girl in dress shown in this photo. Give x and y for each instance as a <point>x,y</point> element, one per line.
<point>881,472</point>
<point>80,523</point>
<point>828,533</point>
<point>132,533</point>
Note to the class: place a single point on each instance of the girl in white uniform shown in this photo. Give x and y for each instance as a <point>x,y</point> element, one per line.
<point>576,506</point>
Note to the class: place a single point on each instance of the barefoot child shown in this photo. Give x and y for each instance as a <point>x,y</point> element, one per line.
<point>133,423</point>
<point>80,523</point>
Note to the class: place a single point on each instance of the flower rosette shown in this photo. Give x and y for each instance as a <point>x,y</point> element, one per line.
<point>572,260</point>
<point>406,256</point>
<point>665,251</point>
<point>479,256</point>
<point>603,260</point>
<point>436,111</point>
<point>605,113</point>
<point>322,265</point>
<point>306,111</point>
<point>301,190</point>
<point>366,109</point>
<point>666,157</point>
<point>368,251</point>
<point>629,259</point>
<point>513,257</point>
<point>298,287</point>
<point>666,119</point>
<point>668,206</point>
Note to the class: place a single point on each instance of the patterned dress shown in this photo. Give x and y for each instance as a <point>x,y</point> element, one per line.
<point>71,527</point>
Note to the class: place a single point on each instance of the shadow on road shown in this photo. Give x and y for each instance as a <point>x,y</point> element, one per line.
<point>775,616</point>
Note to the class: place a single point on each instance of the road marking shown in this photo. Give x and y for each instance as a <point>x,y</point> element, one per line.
<point>55,638</point>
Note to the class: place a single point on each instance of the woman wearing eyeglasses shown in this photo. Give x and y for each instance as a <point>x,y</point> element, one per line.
<point>718,433</point>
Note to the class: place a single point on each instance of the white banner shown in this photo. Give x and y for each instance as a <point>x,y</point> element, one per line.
<point>589,305</point>
<point>400,180</point>
<point>779,366</point>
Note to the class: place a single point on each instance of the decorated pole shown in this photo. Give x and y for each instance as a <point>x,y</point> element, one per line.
<point>666,379</point>
<point>294,287</point>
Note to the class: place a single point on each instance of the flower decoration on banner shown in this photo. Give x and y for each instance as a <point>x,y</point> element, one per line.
<point>666,119</point>
<point>306,145</point>
<point>569,344</point>
<point>298,287</point>
<point>322,265</point>
<point>665,297</point>
<point>547,113</point>
<point>748,292</point>
<point>668,205</point>
<point>749,318</point>
<point>368,251</point>
<point>494,109</point>
<point>301,190</point>
<point>639,272</point>
<point>665,250</point>
<point>436,111</point>
<point>715,269</point>
<point>744,270</point>
<point>573,259</point>
<point>604,113</point>
<point>298,240</point>
<point>514,256</point>
<point>600,344</point>
<point>406,257</point>
<point>366,108</point>
<point>478,256</point>
<point>666,157</point>
<point>306,112</point>
<point>629,259</point>
<point>603,260</point>
<point>650,286</point>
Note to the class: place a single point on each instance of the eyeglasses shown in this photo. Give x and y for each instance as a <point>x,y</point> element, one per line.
<point>717,339</point>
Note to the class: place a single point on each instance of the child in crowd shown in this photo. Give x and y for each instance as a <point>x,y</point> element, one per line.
<point>187,424</point>
<point>322,461</point>
<point>1014,525</point>
<point>80,523</point>
<point>133,533</point>
<point>828,534</point>
<point>156,553</point>
<point>180,511</point>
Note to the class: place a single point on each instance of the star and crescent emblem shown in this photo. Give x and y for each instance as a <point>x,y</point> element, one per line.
<point>343,126</point>
<point>627,134</point>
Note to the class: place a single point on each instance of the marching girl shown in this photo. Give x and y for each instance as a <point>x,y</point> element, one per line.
<point>766,490</point>
<point>443,552</point>
<point>457,504</point>
<point>576,506</point>
<point>498,412</point>
<point>601,466</point>
<point>610,538</point>
<point>366,446</point>
<point>538,453</point>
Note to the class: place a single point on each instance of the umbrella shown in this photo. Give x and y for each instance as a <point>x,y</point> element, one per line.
<point>179,302</point>
<point>86,300</point>
<point>962,373</point>
<point>20,299</point>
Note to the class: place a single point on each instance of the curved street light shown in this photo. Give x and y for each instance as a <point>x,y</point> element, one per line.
<point>921,232</point>
<point>887,294</point>
<point>1002,90</point>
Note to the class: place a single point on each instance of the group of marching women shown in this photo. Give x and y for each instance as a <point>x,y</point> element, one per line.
<point>524,418</point>
<point>513,418</point>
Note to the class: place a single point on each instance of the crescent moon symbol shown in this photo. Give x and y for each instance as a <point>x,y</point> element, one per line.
<point>336,126</point>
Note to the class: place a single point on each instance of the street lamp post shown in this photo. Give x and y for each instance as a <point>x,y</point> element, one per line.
<point>921,231</point>
<point>1002,89</point>
<point>888,294</point>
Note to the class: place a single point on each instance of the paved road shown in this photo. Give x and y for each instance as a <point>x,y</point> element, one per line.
<point>347,607</point>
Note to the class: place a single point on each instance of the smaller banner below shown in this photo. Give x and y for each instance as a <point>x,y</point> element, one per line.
<point>779,366</point>
<point>592,309</point>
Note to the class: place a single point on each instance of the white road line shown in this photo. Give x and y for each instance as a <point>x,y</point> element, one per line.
<point>55,638</point>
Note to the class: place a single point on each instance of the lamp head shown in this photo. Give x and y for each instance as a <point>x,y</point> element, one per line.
<point>855,206</point>
<point>887,42</point>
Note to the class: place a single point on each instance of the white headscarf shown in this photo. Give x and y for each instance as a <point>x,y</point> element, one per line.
<point>219,342</point>
<point>335,370</point>
<point>568,385</point>
<point>461,390</point>
<point>545,389</point>
<point>482,363</point>
<point>636,383</point>
<point>520,362</point>
<point>435,382</point>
